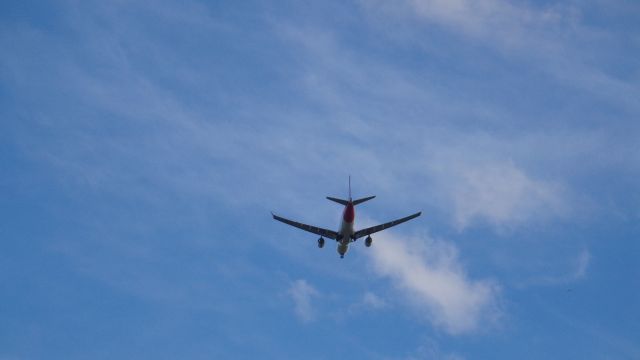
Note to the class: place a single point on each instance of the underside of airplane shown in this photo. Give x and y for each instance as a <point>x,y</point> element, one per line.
<point>346,233</point>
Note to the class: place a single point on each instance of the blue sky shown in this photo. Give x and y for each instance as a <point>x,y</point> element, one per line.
<point>143,146</point>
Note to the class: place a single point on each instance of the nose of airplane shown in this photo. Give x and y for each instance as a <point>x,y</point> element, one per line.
<point>342,249</point>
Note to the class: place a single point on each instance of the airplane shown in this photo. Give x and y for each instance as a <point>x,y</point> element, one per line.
<point>346,233</point>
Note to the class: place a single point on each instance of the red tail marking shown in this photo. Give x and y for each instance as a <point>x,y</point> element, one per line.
<point>349,213</point>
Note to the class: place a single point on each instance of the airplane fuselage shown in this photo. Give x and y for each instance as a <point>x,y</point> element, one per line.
<point>346,230</point>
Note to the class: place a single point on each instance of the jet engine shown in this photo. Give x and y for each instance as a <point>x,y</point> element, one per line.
<point>320,242</point>
<point>368,241</point>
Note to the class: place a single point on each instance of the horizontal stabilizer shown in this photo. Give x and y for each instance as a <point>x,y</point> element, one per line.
<point>360,201</point>
<point>339,201</point>
<point>345,202</point>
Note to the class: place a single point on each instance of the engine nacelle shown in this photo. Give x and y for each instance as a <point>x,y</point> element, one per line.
<point>320,242</point>
<point>368,241</point>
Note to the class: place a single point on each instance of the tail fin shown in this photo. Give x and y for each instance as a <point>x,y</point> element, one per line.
<point>354,202</point>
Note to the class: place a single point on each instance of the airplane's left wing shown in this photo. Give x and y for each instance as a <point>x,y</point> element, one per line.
<point>312,229</point>
<point>375,229</point>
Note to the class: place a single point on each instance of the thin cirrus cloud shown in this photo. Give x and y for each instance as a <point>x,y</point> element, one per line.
<point>504,23</point>
<point>552,37</point>
<point>460,183</point>
<point>577,270</point>
<point>474,176</point>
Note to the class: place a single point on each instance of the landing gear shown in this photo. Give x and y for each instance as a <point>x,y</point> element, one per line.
<point>320,242</point>
<point>341,256</point>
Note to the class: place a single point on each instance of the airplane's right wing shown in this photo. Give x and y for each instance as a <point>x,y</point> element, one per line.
<point>312,229</point>
<point>375,229</point>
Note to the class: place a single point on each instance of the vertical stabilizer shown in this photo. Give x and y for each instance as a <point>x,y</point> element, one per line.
<point>349,187</point>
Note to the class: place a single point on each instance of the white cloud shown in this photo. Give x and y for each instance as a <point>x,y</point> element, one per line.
<point>302,294</point>
<point>495,191</point>
<point>428,272</point>
<point>373,301</point>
